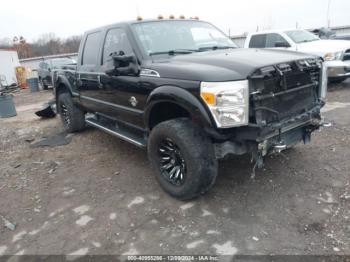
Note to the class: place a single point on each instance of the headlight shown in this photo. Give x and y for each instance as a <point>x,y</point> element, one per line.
<point>333,56</point>
<point>228,102</point>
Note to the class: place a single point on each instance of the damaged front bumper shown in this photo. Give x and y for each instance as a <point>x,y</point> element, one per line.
<point>260,141</point>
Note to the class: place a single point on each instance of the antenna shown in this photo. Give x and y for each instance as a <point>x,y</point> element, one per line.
<point>137,9</point>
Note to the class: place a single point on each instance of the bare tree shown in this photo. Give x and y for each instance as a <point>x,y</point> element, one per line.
<point>46,44</point>
<point>71,44</point>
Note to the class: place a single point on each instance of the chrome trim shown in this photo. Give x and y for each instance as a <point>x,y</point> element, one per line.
<point>324,82</point>
<point>112,132</point>
<point>120,107</point>
<point>149,72</point>
<point>255,92</point>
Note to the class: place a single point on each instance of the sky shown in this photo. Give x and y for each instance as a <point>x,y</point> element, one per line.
<point>72,17</point>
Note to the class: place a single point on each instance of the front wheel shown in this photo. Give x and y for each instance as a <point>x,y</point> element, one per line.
<point>183,158</point>
<point>73,118</point>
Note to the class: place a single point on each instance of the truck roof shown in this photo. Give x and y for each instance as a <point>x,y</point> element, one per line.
<point>136,21</point>
<point>275,31</point>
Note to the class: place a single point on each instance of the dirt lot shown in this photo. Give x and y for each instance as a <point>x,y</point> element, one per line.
<point>97,195</point>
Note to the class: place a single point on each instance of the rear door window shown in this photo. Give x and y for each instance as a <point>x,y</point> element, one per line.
<point>257,41</point>
<point>272,39</point>
<point>91,49</point>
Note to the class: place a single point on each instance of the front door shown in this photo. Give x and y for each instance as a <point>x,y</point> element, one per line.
<point>121,95</point>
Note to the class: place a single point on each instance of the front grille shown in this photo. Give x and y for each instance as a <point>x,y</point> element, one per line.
<point>283,91</point>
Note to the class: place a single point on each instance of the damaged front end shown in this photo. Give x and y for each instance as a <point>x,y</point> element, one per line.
<point>284,109</point>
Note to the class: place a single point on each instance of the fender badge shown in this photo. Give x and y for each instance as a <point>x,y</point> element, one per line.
<point>133,101</point>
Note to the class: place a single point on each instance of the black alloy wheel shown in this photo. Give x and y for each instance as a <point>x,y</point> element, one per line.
<point>172,163</point>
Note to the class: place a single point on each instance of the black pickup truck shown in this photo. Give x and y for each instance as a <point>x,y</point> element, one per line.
<point>181,89</point>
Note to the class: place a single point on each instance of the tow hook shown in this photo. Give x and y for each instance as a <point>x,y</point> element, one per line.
<point>326,124</point>
<point>279,148</point>
<point>323,123</point>
<point>320,123</point>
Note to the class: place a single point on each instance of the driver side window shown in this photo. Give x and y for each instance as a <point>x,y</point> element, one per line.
<point>116,41</point>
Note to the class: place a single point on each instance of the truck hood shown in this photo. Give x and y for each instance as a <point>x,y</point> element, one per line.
<point>322,47</point>
<point>222,65</point>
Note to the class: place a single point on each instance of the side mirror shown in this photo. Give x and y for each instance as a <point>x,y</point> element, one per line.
<point>282,44</point>
<point>124,64</point>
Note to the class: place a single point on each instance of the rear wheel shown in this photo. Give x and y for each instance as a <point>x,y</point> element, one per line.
<point>183,158</point>
<point>73,118</point>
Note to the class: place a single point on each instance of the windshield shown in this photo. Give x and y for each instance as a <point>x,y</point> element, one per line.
<point>301,36</point>
<point>180,36</point>
<point>58,62</point>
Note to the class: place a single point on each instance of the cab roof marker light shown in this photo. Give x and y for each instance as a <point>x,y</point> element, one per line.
<point>160,17</point>
<point>182,17</point>
<point>171,17</point>
<point>139,18</point>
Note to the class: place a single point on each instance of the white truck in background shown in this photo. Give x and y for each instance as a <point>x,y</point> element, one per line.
<point>8,63</point>
<point>336,53</point>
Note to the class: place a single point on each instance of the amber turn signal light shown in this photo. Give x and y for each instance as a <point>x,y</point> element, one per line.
<point>209,98</point>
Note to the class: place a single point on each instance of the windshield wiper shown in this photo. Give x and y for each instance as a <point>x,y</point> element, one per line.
<point>309,40</point>
<point>175,52</point>
<point>215,48</point>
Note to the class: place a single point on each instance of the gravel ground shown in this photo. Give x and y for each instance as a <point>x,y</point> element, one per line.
<point>97,195</point>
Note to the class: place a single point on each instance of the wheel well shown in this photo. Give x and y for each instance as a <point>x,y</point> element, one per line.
<point>61,88</point>
<point>165,111</point>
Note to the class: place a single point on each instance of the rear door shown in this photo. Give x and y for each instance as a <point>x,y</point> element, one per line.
<point>275,40</point>
<point>88,75</point>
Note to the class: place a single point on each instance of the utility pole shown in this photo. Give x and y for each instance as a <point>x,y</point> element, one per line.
<point>328,18</point>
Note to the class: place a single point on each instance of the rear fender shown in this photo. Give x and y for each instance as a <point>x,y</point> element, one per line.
<point>63,83</point>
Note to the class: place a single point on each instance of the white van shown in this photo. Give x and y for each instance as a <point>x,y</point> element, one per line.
<point>8,63</point>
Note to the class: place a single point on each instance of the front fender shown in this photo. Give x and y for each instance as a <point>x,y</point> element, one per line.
<point>180,97</point>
